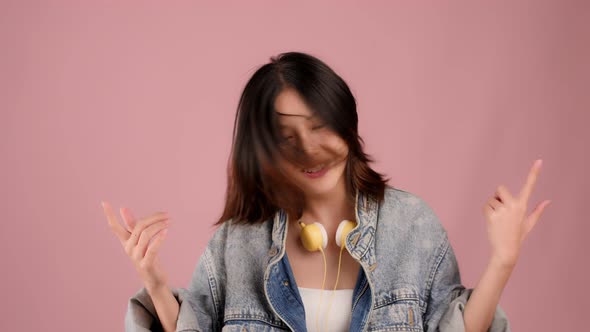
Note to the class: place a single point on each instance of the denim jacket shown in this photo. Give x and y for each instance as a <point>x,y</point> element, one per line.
<point>409,278</point>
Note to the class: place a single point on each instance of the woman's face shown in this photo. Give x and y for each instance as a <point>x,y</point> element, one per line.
<point>319,154</point>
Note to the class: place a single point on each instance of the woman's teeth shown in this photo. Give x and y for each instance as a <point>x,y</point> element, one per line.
<point>313,170</point>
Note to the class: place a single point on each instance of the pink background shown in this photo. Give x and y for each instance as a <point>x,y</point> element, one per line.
<point>133,103</point>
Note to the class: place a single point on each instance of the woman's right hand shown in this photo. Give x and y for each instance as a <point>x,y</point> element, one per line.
<point>136,242</point>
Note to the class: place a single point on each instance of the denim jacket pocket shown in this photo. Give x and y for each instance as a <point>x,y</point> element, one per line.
<point>397,310</point>
<point>250,326</point>
<point>248,319</point>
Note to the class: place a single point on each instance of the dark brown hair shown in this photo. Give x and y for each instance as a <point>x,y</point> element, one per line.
<point>256,187</point>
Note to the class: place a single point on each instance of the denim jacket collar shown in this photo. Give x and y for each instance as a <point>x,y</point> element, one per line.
<point>358,242</point>
<point>280,283</point>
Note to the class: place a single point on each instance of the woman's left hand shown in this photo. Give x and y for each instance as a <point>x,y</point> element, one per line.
<point>507,222</point>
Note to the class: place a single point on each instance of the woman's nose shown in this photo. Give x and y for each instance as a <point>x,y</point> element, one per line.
<point>309,143</point>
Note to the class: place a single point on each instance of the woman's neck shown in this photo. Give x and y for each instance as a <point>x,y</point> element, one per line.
<point>329,208</point>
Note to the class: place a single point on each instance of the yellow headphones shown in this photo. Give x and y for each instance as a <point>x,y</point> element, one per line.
<point>315,238</point>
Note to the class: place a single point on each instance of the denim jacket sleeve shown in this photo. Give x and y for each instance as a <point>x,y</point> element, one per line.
<point>197,310</point>
<point>448,296</point>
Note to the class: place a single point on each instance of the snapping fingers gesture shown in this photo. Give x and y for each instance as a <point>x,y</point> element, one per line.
<point>141,241</point>
<point>507,221</point>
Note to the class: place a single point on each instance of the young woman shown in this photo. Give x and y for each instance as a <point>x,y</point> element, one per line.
<point>305,212</point>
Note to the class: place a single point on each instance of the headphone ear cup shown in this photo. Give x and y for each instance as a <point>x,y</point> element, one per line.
<point>343,229</point>
<point>314,236</point>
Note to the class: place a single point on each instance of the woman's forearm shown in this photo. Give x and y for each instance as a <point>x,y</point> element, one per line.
<point>167,307</point>
<point>480,308</point>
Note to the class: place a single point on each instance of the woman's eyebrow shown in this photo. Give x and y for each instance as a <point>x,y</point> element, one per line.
<point>305,116</point>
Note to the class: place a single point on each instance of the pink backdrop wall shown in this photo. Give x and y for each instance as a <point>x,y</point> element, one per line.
<point>133,103</point>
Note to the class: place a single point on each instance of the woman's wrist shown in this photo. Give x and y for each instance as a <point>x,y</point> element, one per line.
<point>166,305</point>
<point>502,263</point>
<point>157,289</point>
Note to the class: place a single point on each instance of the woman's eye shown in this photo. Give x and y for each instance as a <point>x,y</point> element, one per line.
<point>319,126</point>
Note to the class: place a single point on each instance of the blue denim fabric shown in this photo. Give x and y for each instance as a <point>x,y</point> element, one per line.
<point>409,278</point>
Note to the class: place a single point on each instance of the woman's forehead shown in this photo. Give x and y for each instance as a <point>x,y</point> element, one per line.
<point>290,103</point>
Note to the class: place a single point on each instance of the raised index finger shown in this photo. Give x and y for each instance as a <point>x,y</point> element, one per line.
<point>117,228</point>
<point>527,189</point>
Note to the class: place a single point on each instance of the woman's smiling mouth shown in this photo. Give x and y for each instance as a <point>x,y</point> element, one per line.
<point>317,171</point>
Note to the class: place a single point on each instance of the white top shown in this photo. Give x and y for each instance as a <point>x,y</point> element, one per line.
<point>340,310</point>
